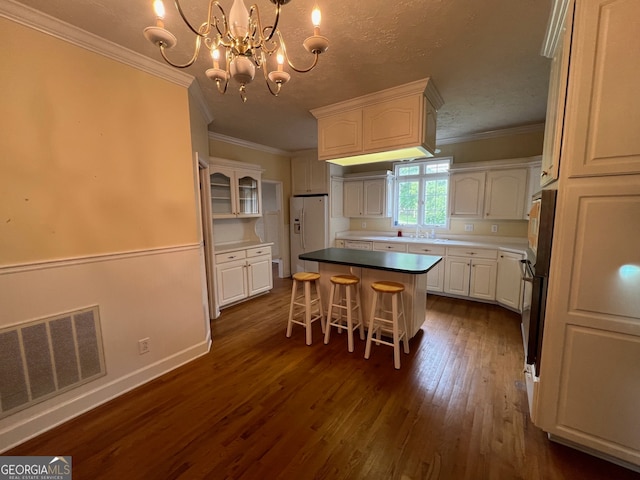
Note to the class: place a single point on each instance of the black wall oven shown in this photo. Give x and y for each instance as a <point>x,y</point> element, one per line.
<point>535,272</point>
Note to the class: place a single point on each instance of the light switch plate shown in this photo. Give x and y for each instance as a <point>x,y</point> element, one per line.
<point>468,227</point>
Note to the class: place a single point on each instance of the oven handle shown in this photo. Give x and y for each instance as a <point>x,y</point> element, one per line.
<point>527,271</point>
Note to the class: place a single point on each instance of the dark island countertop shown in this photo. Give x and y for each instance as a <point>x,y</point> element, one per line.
<point>391,261</point>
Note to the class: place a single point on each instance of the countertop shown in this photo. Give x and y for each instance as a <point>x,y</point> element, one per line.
<point>508,244</point>
<point>230,247</point>
<point>391,261</point>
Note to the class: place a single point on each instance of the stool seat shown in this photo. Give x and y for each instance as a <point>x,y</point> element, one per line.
<point>387,287</point>
<point>394,323</point>
<point>306,276</point>
<point>305,302</point>
<point>345,279</point>
<point>347,303</point>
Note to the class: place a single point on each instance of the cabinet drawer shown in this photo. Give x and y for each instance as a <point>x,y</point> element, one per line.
<point>230,256</point>
<point>426,249</point>
<point>472,252</point>
<point>257,251</point>
<point>389,247</point>
<point>358,245</point>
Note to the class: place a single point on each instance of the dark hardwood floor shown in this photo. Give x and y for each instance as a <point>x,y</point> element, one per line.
<point>262,406</point>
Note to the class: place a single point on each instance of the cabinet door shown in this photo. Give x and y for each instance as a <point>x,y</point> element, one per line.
<point>483,279</point>
<point>435,278</point>
<point>505,194</point>
<point>340,135</point>
<point>456,276</point>
<point>601,123</point>
<point>231,282</point>
<point>249,194</point>
<point>467,194</point>
<point>375,198</point>
<point>223,192</point>
<point>318,176</point>
<point>509,280</point>
<point>353,199</point>
<point>556,103</point>
<point>392,123</point>
<point>259,275</point>
<point>300,176</point>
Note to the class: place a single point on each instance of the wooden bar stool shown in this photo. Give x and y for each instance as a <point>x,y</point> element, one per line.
<point>345,287</point>
<point>306,301</point>
<point>396,324</point>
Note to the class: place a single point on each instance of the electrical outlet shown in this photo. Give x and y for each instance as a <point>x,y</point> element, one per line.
<point>364,224</point>
<point>468,227</point>
<point>144,346</point>
<point>494,228</point>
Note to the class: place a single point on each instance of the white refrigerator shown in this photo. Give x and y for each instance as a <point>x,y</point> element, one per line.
<point>309,224</point>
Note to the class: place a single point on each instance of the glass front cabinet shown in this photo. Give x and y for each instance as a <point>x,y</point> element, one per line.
<point>235,192</point>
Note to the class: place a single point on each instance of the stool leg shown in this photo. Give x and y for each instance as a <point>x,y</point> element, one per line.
<point>321,310</point>
<point>367,350</point>
<point>293,298</point>
<point>360,319</point>
<point>349,320</point>
<point>307,310</point>
<point>396,340</point>
<point>329,313</point>
<point>404,322</point>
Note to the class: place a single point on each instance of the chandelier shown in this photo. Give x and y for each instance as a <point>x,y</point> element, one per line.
<point>245,44</point>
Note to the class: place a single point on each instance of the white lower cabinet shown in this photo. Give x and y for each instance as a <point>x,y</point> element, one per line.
<point>509,280</point>
<point>435,277</point>
<point>389,247</point>
<point>241,274</point>
<point>471,272</point>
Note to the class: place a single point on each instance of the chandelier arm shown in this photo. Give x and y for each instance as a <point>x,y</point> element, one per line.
<point>293,67</point>
<point>273,27</point>
<point>216,20</point>
<point>185,65</point>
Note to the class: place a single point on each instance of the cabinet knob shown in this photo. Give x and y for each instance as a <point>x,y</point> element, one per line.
<point>471,253</point>
<point>544,173</point>
<point>426,250</point>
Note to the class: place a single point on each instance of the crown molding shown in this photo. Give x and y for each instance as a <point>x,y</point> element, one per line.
<point>504,132</point>
<point>49,25</point>
<point>246,144</point>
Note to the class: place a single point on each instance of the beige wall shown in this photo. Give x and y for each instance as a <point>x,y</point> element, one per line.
<point>96,156</point>
<point>98,206</point>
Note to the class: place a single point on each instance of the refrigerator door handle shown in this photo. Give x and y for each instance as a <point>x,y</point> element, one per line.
<point>302,223</point>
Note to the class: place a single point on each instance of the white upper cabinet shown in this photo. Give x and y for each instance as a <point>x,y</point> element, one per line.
<point>402,117</point>
<point>368,196</point>
<point>309,176</point>
<point>498,190</point>
<point>466,197</point>
<point>235,189</point>
<point>505,194</point>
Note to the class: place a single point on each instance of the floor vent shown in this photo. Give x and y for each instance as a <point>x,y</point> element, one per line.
<point>49,356</point>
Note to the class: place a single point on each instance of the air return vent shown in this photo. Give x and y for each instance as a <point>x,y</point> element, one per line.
<point>46,357</point>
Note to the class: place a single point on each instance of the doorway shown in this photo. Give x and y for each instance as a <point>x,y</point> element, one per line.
<point>270,228</point>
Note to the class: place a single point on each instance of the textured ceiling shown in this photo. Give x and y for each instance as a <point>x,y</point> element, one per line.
<point>483,55</point>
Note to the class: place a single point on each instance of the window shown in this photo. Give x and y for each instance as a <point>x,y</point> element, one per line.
<point>421,194</point>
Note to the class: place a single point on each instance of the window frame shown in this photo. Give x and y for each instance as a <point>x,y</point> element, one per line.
<point>422,177</point>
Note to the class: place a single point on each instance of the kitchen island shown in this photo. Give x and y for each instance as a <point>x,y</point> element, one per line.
<point>406,268</point>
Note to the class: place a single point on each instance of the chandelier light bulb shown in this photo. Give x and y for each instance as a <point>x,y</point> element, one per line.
<point>239,19</point>
<point>316,17</point>
<point>280,60</point>
<point>158,8</point>
<point>215,54</point>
